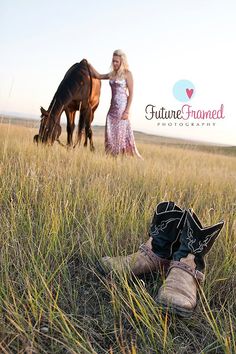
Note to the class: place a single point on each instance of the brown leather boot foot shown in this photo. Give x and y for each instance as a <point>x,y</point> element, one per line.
<point>153,256</point>
<point>141,262</point>
<point>178,294</point>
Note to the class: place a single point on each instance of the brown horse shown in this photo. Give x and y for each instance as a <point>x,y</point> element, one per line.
<point>77,91</point>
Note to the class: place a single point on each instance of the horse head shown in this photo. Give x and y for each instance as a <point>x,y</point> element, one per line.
<point>49,130</point>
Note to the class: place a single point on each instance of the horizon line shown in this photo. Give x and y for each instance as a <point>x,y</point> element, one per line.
<point>33,117</point>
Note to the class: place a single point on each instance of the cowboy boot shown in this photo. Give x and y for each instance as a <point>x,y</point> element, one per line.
<point>156,253</point>
<point>186,271</point>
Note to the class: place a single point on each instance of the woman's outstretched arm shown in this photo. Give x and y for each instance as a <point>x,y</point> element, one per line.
<point>97,75</point>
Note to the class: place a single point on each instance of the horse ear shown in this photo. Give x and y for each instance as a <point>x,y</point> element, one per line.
<point>43,111</point>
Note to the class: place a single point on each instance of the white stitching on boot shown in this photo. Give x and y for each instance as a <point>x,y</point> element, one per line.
<point>162,226</point>
<point>201,244</point>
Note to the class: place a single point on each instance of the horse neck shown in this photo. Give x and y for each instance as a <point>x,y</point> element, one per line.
<point>55,109</point>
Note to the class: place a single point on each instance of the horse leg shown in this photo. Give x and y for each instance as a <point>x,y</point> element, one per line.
<point>89,134</point>
<point>86,135</point>
<point>88,130</point>
<point>80,125</point>
<point>70,126</point>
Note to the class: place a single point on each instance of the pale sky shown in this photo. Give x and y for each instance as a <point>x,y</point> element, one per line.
<point>165,41</point>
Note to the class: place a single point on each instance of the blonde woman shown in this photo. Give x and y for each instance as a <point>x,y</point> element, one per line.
<point>119,137</point>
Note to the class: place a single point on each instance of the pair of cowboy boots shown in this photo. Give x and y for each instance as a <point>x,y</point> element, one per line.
<point>176,248</point>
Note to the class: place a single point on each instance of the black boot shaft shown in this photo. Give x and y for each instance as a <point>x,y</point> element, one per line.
<point>197,240</point>
<point>165,206</point>
<point>165,230</point>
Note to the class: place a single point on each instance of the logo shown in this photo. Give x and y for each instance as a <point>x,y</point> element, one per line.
<point>184,90</point>
<point>185,115</point>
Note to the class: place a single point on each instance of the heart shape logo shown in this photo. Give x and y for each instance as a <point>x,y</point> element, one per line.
<point>189,92</point>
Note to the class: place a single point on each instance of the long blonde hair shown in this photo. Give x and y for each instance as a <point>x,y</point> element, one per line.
<point>124,67</point>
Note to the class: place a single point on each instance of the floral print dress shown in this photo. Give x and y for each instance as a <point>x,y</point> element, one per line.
<point>119,137</point>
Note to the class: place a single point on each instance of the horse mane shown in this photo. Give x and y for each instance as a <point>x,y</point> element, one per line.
<point>69,85</point>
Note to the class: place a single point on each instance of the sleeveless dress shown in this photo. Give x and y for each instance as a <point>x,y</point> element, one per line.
<point>119,137</point>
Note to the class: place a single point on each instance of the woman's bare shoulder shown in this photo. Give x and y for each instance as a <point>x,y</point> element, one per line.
<point>128,74</point>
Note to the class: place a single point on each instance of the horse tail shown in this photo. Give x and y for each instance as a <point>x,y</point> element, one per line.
<point>90,76</point>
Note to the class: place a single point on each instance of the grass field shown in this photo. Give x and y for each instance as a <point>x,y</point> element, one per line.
<point>61,210</point>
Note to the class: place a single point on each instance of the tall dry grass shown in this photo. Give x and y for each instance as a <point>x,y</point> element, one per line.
<point>61,210</point>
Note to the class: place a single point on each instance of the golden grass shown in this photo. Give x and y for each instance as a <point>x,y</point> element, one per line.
<point>63,209</point>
